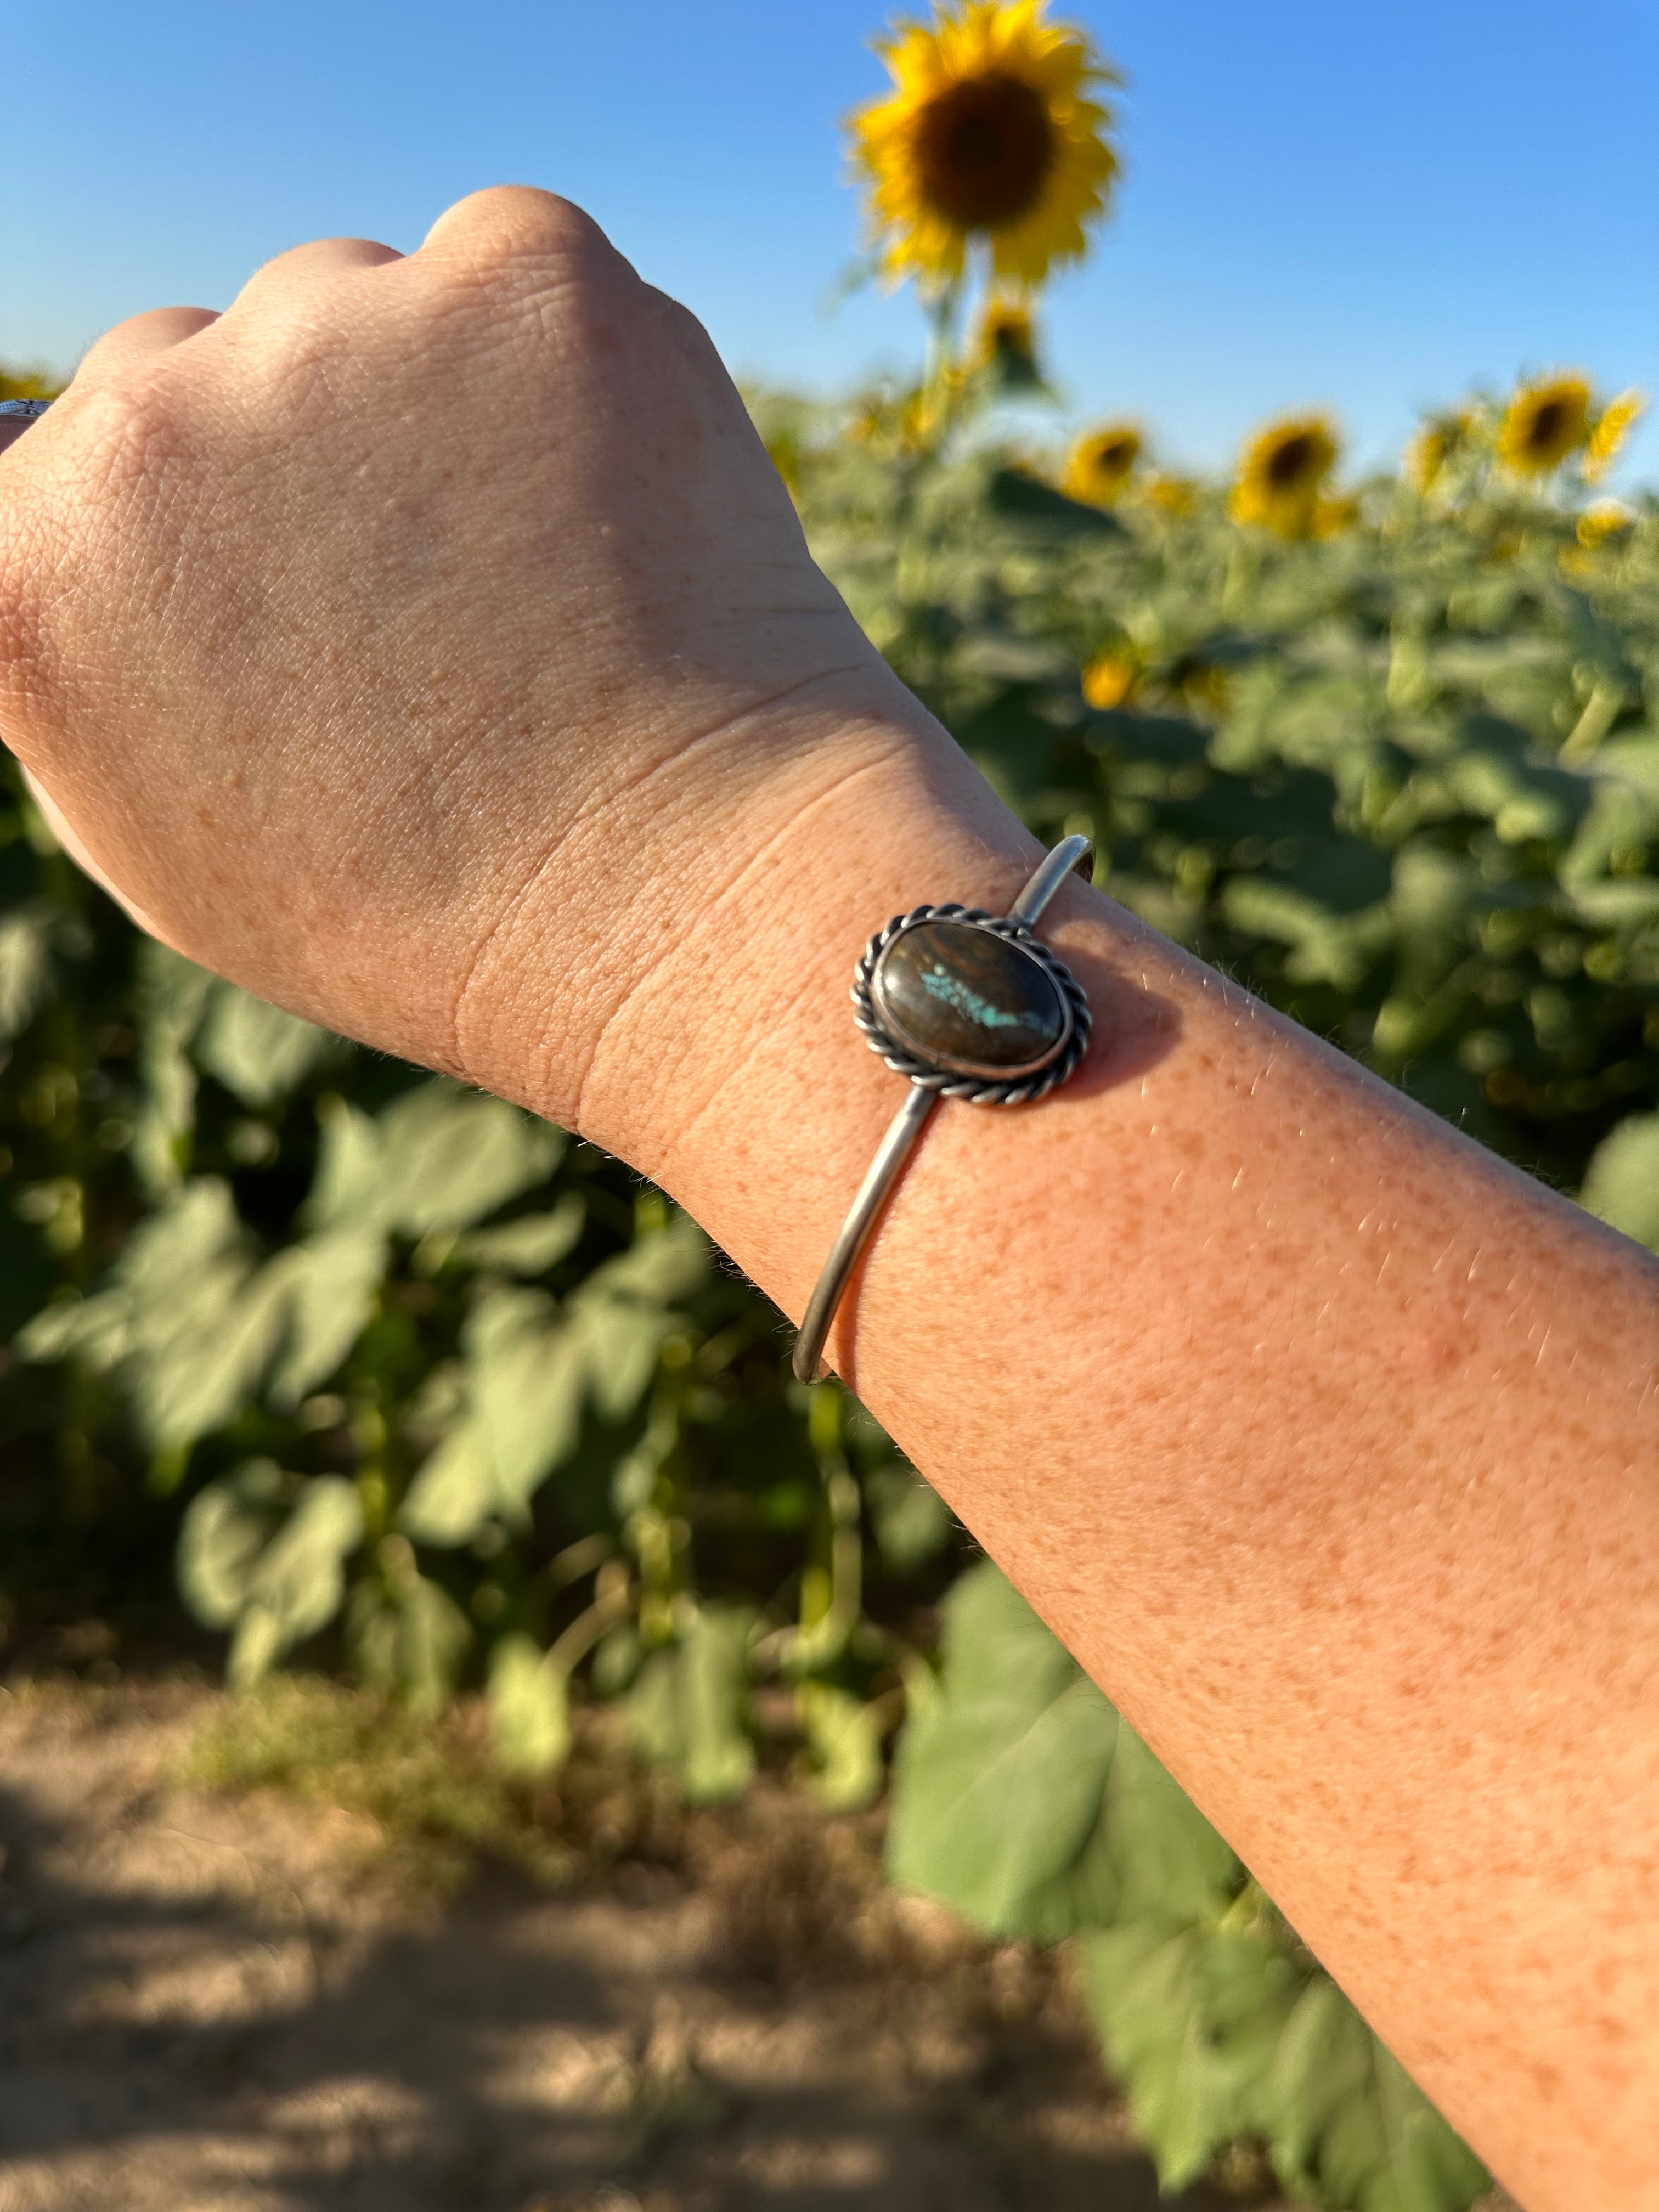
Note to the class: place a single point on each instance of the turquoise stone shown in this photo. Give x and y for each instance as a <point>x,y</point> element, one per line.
<point>969,1000</point>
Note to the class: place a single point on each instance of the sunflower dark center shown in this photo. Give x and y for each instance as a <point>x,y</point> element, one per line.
<point>1291,463</point>
<point>1547,423</point>
<point>985,149</point>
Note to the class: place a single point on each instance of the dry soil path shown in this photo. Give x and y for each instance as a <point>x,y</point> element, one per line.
<point>215,2005</point>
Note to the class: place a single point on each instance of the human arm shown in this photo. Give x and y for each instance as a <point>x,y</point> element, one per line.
<point>428,645</point>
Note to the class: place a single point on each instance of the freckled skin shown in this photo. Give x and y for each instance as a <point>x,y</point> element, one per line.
<point>522,738</point>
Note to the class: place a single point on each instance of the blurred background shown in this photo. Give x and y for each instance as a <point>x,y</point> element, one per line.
<point>1363,210</point>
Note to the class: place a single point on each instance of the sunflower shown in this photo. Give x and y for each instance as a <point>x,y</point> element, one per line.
<point>1612,429</point>
<point>28,384</point>
<point>1005,336</point>
<point>1099,466</point>
<point>1109,679</point>
<point>988,135</point>
<point>1442,440</point>
<point>1426,456</point>
<point>1173,496</point>
<point>1542,424</point>
<point>1283,472</point>
<point>1601,521</point>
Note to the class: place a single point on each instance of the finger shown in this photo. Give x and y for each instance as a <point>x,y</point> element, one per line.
<point>139,338</point>
<point>302,266</point>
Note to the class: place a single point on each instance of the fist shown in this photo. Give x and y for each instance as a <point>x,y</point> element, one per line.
<point>420,640</point>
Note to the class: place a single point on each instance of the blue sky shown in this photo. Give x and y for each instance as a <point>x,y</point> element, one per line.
<point>1366,208</point>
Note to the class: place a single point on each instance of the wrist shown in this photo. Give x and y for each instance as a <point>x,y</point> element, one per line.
<point>689,964</point>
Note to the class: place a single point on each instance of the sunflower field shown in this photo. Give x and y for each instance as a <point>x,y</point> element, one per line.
<point>358,1369</point>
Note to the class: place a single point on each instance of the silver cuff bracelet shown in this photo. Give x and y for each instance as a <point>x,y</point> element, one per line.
<point>966,1004</point>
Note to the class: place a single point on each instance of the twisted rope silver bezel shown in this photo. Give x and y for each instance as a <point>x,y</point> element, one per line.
<point>975,1090</point>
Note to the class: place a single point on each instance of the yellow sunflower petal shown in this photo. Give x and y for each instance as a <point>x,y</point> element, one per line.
<point>1613,427</point>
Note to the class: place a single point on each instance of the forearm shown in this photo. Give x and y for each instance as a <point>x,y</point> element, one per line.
<point>1322,1438</point>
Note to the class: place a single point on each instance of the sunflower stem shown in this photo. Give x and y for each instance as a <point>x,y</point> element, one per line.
<point>943,343</point>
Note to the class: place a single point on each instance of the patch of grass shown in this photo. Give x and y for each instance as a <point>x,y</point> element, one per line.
<point>430,1787</point>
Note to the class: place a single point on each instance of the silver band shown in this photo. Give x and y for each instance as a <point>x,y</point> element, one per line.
<point>29,410</point>
<point>930,1081</point>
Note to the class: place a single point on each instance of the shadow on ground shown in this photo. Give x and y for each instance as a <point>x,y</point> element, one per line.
<point>215,2006</point>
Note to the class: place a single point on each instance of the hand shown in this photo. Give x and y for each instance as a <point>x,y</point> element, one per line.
<point>424,640</point>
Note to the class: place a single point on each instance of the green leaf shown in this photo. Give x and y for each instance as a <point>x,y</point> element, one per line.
<point>450,1157</point>
<point>277,1580</point>
<point>688,1707</point>
<point>1192,2066</point>
<point>844,1738</point>
<point>454,1492</point>
<point>614,1345</point>
<point>173,993</point>
<point>912,1523</point>
<point>193,1325</point>
<point>345,1192</point>
<point>1019,497</point>
<point>329,1284</point>
<point>196,1375</point>
<point>26,972</point>
<point>1170,1865</point>
<point>529,1373</point>
<point>1000,1787</point>
<point>526,1369</point>
<point>95,1330</point>
<point>438,1157</point>
<point>225,1528</point>
<point>532,1367</point>
<point>406,1633</point>
<point>661,1265</point>
<point>1622,1183</point>
<point>256,1051</point>
<point>1325,948</point>
<point>529,1246</point>
<point>529,1708</point>
<point>190,1334</point>
<point>1346,2125</point>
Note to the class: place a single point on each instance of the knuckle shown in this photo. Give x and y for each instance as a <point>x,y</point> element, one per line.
<point>107,351</point>
<point>130,440</point>
<point>322,256</point>
<point>507,222</point>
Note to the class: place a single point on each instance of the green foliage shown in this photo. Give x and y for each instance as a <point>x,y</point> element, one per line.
<point>1403,782</point>
<point>1622,1184</point>
<point>1022,1798</point>
<point>413,1386</point>
<point>418,1386</point>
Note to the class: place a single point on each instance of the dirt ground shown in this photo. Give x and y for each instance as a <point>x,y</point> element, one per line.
<point>210,2004</point>
<point>244,2004</point>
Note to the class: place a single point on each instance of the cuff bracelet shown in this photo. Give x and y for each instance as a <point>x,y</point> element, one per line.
<point>965,1004</point>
